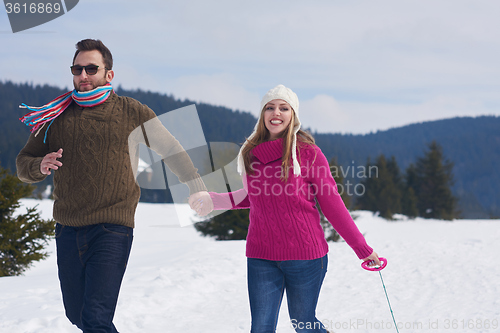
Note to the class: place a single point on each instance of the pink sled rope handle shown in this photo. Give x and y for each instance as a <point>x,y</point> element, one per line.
<point>375,268</point>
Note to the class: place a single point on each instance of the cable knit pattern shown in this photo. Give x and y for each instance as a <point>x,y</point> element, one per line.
<point>96,183</point>
<point>284,221</point>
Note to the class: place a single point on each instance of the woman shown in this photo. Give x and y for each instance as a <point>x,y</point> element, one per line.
<point>284,174</point>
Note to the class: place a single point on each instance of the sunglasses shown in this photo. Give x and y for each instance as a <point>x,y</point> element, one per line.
<point>89,69</point>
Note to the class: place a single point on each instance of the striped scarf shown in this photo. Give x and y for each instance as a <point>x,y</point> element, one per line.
<point>39,116</point>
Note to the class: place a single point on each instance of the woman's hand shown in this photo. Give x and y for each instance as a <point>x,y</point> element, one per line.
<point>201,203</point>
<point>374,259</point>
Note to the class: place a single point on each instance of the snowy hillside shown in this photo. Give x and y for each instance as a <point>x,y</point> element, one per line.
<point>441,277</point>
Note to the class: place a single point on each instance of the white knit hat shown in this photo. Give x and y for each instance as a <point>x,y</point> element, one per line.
<point>286,94</point>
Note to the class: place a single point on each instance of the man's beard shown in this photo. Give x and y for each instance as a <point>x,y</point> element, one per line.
<point>92,86</point>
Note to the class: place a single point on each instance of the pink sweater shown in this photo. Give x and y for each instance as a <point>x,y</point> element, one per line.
<point>284,222</point>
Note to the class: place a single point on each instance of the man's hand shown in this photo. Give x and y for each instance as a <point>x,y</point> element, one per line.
<point>50,162</point>
<point>201,203</point>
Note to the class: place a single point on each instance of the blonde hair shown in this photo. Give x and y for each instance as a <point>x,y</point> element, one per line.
<point>262,135</point>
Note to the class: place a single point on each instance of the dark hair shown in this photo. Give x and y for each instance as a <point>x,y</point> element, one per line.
<point>95,44</point>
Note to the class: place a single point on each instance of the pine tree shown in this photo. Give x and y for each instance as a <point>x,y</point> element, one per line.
<point>432,185</point>
<point>392,190</point>
<point>22,237</point>
<point>409,199</point>
<point>383,193</point>
<point>368,201</point>
<point>230,225</point>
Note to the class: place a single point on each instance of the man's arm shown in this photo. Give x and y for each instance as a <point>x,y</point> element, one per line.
<point>155,136</point>
<point>29,160</point>
<point>179,162</point>
<point>159,139</point>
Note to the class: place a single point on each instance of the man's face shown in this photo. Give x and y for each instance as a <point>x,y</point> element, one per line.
<point>86,82</point>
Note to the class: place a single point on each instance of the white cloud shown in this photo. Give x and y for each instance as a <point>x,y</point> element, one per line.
<point>323,114</point>
<point>217,89</point>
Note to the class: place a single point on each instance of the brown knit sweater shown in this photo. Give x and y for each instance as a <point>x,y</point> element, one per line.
<point>96,182</point>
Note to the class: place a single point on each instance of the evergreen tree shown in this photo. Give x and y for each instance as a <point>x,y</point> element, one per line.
<point>23,237</point>
<point>392,191</point>
<point>230,225</point>
<point>409,199</point>
<point>383,193</point>
<point>371,185</point>
<point>433,180</point>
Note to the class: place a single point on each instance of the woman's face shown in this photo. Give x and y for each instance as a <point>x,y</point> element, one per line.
<point>277,116</point>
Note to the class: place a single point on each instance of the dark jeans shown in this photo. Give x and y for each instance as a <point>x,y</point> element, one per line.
<point>92,262</point>
<point>301,279</point>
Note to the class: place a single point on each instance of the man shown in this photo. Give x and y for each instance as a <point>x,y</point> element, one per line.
<point>85,136</point>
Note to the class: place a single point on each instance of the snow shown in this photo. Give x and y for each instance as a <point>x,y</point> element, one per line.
<point>441,277</point>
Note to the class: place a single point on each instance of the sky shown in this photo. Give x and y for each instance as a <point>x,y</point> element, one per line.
<point>356,66</point>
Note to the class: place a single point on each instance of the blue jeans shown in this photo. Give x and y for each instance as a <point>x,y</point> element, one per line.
<point>301,279</point>
<point>92,262</point>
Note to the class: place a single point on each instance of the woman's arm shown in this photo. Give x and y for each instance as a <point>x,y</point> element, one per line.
<point>205,202</point>
<point>333,207</point>
<point>230,200</point>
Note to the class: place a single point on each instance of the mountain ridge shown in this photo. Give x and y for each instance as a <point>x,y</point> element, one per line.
<point>471,143</point>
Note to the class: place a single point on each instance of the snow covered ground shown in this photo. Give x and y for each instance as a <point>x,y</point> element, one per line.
<point>441,277</point>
